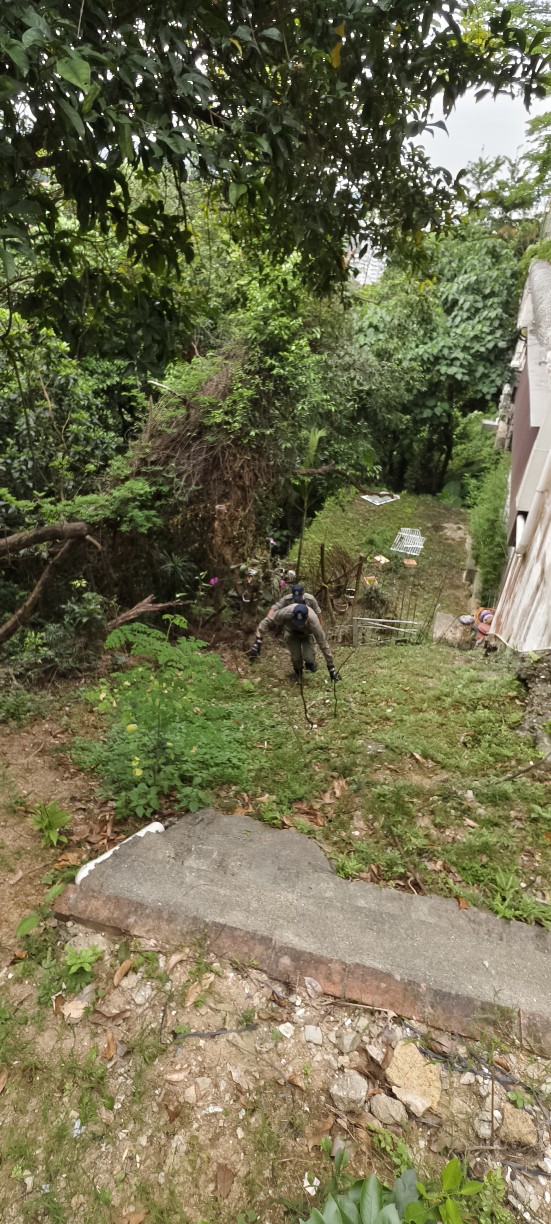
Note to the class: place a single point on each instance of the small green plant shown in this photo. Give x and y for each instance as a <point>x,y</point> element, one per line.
<point>49,819</point>
<point>79,966</point>
<point>247,1016</point>
<point>518,1098</point>
<point>369,1201</point>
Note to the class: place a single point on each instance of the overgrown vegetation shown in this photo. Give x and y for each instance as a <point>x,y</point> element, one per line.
<point>419,778</point>
<point>489,531</point>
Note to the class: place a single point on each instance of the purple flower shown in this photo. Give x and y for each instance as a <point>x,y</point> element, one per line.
<point>213,581</point>
<point>282,582</point>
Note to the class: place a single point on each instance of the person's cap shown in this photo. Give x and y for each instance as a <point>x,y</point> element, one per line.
<point>298,591</point>
<point>300,614</point>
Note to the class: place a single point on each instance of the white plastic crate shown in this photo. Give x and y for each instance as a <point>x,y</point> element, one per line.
<point>409,540</point>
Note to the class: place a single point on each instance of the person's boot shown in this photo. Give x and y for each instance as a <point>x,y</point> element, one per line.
<point>297,675</point>
<point>311,667</point>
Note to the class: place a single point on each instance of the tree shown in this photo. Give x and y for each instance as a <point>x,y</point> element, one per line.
<point>305,114</point>
<point>435,344</point>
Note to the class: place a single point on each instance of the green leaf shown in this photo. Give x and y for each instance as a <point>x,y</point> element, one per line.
<point>8,263</point>
<point>389,1215</point>
<point>471,1187</point>
<point>236,190</point>
<point>416,1213</point>
<point>371,1200</point>
<point>331,1212</point>
<point>19,57</point>
<point>27,925</point>
<point>72,115</point>
<point>452,1175</point>
<point>450,1213</point>
<point>405,1190</point>
<point>37,22</point>
<point>75,70</point>
<point>348,1209</point>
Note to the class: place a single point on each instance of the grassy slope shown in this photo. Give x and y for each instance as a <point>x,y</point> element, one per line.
<point>358,527</point>
<point>448,822</point>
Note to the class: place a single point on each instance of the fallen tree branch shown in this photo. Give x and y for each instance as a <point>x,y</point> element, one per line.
<point>39,535</point>
<point>145,605</point>
<point>24,613</point>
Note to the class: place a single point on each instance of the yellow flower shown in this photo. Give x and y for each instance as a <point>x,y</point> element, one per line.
<point>135,761</point>
<point>138,773</point>
<point>132,727</point>
<point>102,696</point>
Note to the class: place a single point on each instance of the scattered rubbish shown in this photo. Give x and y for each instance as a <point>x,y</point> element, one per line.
<point>380,499</point>
<point>78,1128</point>
<point>366,629</point>
<point>310,1184</point>
<point>410,563</point>
<point>213,1109</point>
<point>382,560</point>
<point>409,540</point>
<point>483,618</point>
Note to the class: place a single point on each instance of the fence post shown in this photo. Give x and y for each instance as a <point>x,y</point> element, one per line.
<point>359,568</point>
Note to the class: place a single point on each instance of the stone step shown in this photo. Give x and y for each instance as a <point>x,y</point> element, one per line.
<point>271,896</point>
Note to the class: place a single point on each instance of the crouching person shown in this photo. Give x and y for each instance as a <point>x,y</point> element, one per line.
<point>302,631</point>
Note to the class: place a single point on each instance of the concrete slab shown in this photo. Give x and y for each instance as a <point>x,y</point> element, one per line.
<point>271,896</point>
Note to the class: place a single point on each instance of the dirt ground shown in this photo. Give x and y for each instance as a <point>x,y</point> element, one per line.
<point>124,1101</point>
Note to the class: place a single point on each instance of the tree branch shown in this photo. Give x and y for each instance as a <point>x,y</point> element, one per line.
<point>38,535</point>
<point>26,610</point>
<point>145,605</point>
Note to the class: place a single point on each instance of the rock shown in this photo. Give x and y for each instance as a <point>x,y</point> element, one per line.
<point>190,1095</point>
<point>348,1041</point>
<point>340,1144</point>
<point>88,939</point>
<point>517,1128</point>
<point>313,987</point>
<point>376,1052</point>
<point>349,1091</point>
<point>203,1084</point>
<point>483,1126</point>
<point>416,1104</point>
<point>142,995</point>
<point>483,1123</point>
<point>286,1029</point>
<point>388,1111</point>
<point>468,1078</point>
<point>313,1034</point>
<point>409,1070</point>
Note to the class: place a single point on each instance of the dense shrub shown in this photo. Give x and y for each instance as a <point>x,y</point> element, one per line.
<point>489,530</point>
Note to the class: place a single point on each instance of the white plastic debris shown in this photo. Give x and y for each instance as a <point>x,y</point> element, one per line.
<point>154,827</point>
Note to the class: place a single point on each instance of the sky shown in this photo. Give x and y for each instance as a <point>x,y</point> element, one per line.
<point>486,128</point>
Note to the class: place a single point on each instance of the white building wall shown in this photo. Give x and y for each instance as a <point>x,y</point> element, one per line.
<point>523,614</point>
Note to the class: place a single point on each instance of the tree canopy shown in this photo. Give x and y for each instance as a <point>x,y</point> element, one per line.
<point>307,115</point>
